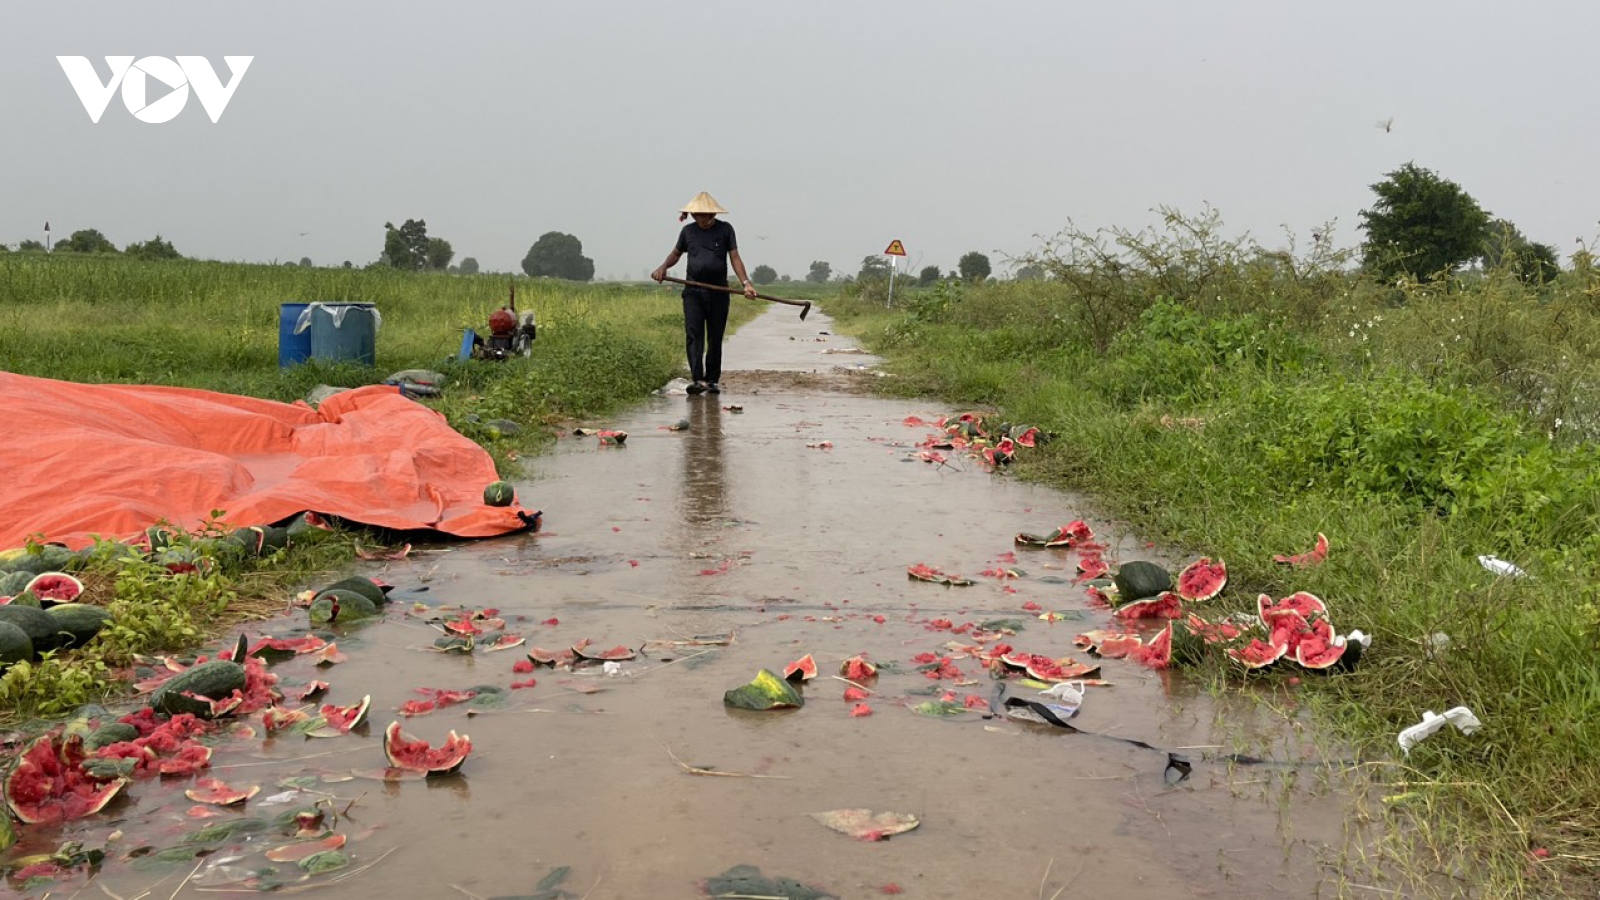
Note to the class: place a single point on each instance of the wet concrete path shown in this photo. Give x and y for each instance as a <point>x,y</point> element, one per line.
<point>738,524</point>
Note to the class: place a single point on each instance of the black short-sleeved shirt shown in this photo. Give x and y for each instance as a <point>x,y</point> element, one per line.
<point>707,249</point>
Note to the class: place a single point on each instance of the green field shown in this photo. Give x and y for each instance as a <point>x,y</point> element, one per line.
<point>1235,404</point>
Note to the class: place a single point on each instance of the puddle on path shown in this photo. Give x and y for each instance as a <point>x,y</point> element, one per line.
<point>737,525</point>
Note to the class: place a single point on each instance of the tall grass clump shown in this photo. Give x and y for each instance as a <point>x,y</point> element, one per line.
<point>1236,401</point>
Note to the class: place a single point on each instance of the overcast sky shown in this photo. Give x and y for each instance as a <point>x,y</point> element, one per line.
<point>827,128</point>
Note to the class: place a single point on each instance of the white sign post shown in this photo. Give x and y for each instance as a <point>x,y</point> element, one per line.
<point>894,251</point>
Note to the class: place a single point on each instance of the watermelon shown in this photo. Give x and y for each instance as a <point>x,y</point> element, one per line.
<point>14,583</point>
<point>210,790</point>
<point>499,493</point>
<point>360,584</point>
<point>207,681</point>
<point>110,733</point>
<point>15,645</point>
<point>48,784</point>
<point>765,691</point>
<point>618,653</point>
<point>1138,579</point>
<point>1158,653</point>
<point>79,620</point>
<point>1166,605</point>
<point>802,669</point>
<point>1302,602</point>
<point>40,627</point>
<point>1202,579</point>
<point>1257,654</point>
<point>413,754</point>
<point>1311,557</point>
<point>341,606</point>
<point>1108,644</point>
<point>1321,651</point>
<point>344,718</point>
<point>858,668</point>
<point>55,587</point>
<point>275,649</point>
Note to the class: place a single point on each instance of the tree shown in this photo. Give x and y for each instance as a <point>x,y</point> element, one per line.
<point>558,255</point>
<point>1421,226</point>
<point>349,265</point>
<point>153,249</point>
<point>1029,273</point>
<point>785,279</point>
<point>305,262</point>
<point>439,253</point>
<point>89,240</point>
<point>469,265</point>
<point>873,268</point>
<point>928,275</point>
<point>1505,246</point>
<point>820,271</point>
<point>974,266</point>
<point>406,247</point>
<point>30,245</point>
<point>764,275</point>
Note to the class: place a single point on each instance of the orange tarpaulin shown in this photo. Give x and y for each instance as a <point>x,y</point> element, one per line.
<point>110,460</point>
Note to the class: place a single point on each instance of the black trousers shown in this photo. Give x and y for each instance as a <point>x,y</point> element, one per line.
<point>705,318</point>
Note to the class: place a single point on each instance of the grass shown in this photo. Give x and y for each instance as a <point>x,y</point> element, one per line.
<point>215,326</point>
<point>1239,414</point>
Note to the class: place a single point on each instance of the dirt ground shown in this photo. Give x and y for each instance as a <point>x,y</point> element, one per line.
<point>744,523</point>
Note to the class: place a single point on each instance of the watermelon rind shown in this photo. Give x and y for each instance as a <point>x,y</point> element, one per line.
<point>765,691</point>
<point>1138,579</point>
<point>338,605</point>
<point>1166,605</point>
<point>802,669</point>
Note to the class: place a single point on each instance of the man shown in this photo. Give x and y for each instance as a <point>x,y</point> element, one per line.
<point>710,245</point>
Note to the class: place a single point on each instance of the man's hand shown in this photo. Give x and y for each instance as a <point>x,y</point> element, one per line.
<point>749,290</point>
<point>659,273</point>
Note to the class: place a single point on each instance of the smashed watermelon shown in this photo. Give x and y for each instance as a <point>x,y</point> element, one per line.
<point>1257,654</point>
<point>1165,605</point>
<point>1312,557</point>
<point>48,784</point>
<point>415,755</point>
<point>802,669</point>
<point>1158,653</point>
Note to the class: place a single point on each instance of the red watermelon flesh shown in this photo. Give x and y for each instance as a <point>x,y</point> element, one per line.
<point>210,790</point>
<point>1202,579</point>
<point>858,668</point>
<point>1302,602</point>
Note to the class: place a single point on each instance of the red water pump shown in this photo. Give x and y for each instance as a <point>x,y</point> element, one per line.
<point>510,332</point>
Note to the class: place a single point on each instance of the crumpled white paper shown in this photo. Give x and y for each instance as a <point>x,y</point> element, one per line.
<point>1461,717</point>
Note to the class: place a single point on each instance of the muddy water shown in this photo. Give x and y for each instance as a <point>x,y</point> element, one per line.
<point>738,524</point>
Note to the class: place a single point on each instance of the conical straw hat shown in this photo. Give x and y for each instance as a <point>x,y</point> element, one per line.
<point>703,203</point>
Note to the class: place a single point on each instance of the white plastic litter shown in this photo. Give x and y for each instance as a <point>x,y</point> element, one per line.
<point>1500,566</point>
<point>1359,637</point>
<point>675,387</point>
<point>1461,717</point>
<point>285,797</point>
<point>1066,694</point>
<point>336,311</point>
<point>612,668</point>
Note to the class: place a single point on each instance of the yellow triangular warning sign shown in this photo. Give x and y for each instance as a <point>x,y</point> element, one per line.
<point>895,249</point>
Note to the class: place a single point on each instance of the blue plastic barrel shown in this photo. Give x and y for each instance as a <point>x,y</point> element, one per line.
<point>344,332</point>
<point>292,348</point>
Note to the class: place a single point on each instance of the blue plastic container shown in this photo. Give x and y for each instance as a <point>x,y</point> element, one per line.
<point>292,348</point>
<point>344,332</point>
